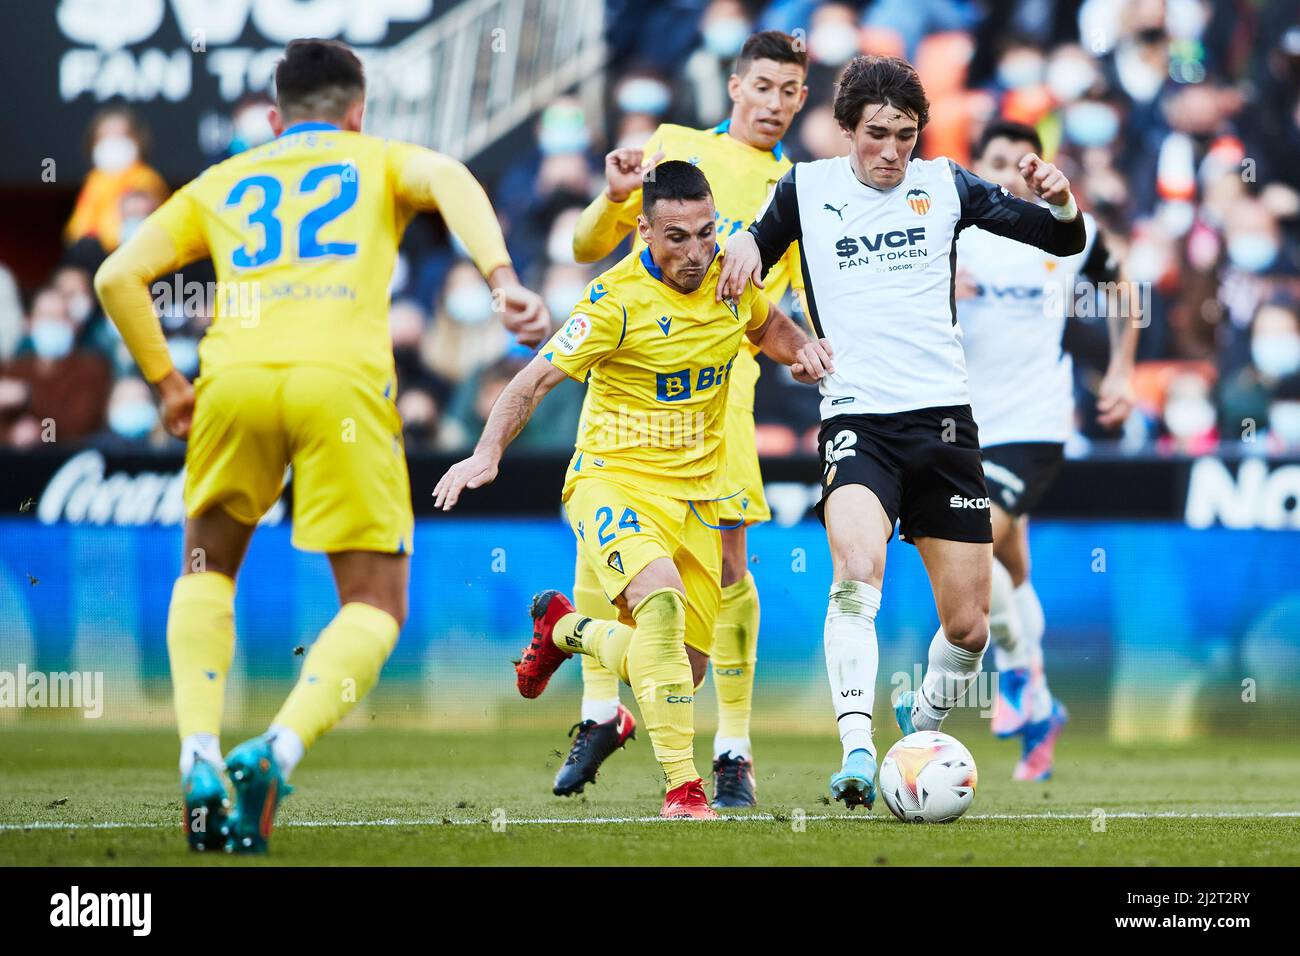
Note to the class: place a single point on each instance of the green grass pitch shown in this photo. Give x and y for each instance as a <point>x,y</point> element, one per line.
<point>103,797</point>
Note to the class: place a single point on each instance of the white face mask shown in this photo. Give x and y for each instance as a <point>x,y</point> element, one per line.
<point>469,305</point>
<point>559,247</point>
<point>112,154</point>
<point>1069,78</point>
<point>1284,422</point>
<point>253,127</point>
<point>833,45</point>
<point>79,307</point>
<point>133,420</point>
<point>1189,417</point>
<point>561,299</point>
<point>1275,355</point>
<point>51,338</point>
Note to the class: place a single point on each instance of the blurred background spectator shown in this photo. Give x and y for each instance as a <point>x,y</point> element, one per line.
<point>1177,121</point>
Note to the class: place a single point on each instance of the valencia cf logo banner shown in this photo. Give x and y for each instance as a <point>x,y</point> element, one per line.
<point>919,200</point>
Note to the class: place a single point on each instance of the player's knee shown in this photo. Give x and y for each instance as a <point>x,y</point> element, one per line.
<point>857,566</point>
<point>968,630</point>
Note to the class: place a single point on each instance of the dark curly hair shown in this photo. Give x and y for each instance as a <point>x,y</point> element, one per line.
<point>880,79</point>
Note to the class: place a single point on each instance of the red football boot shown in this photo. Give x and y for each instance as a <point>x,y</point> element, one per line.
<point>541,657</point>
<point>687,802</point>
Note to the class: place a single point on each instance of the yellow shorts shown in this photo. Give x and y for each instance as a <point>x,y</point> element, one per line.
<point>620,530</point>
<point>746,502</point>
<point>343,438</point>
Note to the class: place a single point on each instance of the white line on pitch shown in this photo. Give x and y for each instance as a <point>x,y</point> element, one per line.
<point>570,821</point>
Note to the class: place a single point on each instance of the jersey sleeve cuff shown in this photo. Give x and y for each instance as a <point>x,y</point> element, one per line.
<point>1064,213</point>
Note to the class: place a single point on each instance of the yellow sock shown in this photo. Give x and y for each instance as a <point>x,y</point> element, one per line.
<point>604,642</point>
<point>660,675</point>
<point>200,647</point>
<point>341,668</point>
<point>735,652</point>
<point>599,683</point>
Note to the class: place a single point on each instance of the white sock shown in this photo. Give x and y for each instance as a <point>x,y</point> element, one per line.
<point>1006,630</point>
<point>951,670</point>
<point>737,746</point>
<point>206,746</point>
<point>852,658</point>
<point>601,711</point>
<point>1033,625</point>
<point>286,747</point>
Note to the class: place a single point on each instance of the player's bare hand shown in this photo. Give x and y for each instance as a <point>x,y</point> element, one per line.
<point>524,313</point>
<point>474,472</point>
<point>741,263</point>
<point>625,170</point>
<point>177,396</point>
<point>1047,182</point>
<point>1115,398</point>
<point>964,285</point>
<point>813,362</point>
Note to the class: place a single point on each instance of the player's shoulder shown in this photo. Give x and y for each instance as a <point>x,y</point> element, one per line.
<point>610,291</point>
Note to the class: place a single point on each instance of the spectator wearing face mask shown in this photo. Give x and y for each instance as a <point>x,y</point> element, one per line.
<point>473,400</point>
<point>53,382</point>
<point>117,143</point>
<point>466,334</point>
<point>132,420</point>
<point>703,87</point>
<point>1246,397</point>
<point>1284,417</point>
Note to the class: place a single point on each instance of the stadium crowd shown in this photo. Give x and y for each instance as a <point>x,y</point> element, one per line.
<point>1177,121</point>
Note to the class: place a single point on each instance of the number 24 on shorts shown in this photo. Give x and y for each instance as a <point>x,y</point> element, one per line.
<point>605,517</point>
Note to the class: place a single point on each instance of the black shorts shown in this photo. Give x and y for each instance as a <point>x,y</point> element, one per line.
<point>1018,474</point>
<point>923,465</point>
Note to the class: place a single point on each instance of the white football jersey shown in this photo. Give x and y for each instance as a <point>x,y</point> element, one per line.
<point>878,273</point>
<point>1021,379</point>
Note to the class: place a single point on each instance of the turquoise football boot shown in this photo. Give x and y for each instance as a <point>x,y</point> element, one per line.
<point>206,806</point>
<point>903,712</point>
<point>855,783</point>
<point>259,788</point>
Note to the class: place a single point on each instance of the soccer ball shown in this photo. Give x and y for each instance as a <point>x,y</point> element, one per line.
<point>928,777</point>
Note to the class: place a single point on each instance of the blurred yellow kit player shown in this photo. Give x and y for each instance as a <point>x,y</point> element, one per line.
<point>743,159</point>
<point>296,370</point>
<point>657,349</point>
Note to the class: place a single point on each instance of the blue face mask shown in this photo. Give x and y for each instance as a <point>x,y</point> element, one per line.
<point>643,95</point>
<point>133,420</point>
<point>725,36</point>
<point>1252,251</point>
<point>564,130</point>
<point>1091,124</point>
<point>51,338</point>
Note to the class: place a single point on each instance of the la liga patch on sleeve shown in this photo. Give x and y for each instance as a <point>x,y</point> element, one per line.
<point>574,332</point>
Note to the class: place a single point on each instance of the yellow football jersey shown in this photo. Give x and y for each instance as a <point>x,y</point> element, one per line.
<point>741,178</point>
<point>303,233</point>
<point>660,365</point>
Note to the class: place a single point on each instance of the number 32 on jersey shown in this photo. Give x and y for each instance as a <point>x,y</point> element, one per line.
<point>337,182</point>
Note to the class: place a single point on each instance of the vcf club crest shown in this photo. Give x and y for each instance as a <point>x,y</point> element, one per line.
<point>919,200</point>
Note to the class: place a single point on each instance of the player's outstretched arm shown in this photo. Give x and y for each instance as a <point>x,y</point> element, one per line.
<point>612,215</point>
<point>433,182</point>
<point>764,242</point>
<point>1116,395</point>
<point>508,417</point>
<point>1058,229</point>
<point>122,284</point>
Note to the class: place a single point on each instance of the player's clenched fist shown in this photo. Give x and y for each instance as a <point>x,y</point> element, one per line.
<point>625,170</point>
<point>741,263</point>
<point>524,313</point>
<point>813,362</point>
<point>177,396</point>
<point>474,472</point>
<point>1048,183</point>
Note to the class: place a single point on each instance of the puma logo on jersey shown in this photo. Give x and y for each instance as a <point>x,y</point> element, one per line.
<point>839,212</point>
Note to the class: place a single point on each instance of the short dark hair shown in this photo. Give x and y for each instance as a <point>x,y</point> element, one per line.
<point>673,181</point>
<point>318,78</point>
<point>880,79</point>
<point>771,45</point>
<point>1000,128</point>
